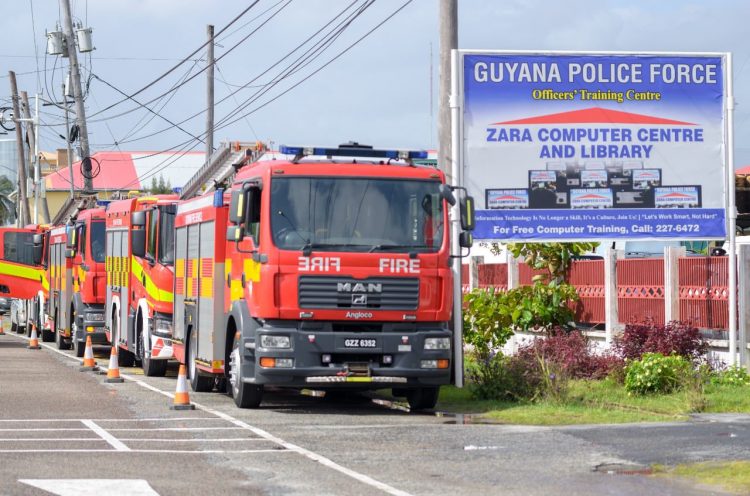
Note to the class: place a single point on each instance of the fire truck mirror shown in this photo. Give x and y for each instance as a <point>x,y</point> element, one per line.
<point>139,241</point>
<point>465,239</point>
<point>467,213</point>
<point>138,219</point>
<point>37,253</point>
<point>37,240</point>
<point>71,242</point>
<point>447,194</point>
<point>237,207</point>
<point>70,253</point>
<point>234,233</point>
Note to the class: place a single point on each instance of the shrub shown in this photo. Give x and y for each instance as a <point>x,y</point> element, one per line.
<point>571,353</point>
<point>656,373</point>
<point>501,378</point>
<point>676,338</point>
<point>488,318</point>
<point>731,376</point>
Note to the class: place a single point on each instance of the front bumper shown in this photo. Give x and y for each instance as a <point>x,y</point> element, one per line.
<point>92,326</point>
<point>349,366</point>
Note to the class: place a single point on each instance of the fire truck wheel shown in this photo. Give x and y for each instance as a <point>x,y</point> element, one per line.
<point>124,357</point>
<point>49,335</point>
<point>78,346</point>
<point>13,327</point>
<point>151,368</point>
<point>60,341</point>
<point>199,383</point>
<point>423,398</point>
<point>245,395</point>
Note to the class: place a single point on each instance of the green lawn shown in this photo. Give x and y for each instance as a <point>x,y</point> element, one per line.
<point>731,476</point>
<point>594,402</point>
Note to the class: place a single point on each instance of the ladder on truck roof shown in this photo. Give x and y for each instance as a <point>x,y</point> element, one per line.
<point>221,165</point>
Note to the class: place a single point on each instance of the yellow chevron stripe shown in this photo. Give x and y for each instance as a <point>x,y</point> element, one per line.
<point>156,293</point>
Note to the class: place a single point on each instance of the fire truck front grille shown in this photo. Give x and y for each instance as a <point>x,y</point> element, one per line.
<point>381,293</point>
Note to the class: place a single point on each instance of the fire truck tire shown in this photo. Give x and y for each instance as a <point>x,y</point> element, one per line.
<point>60,341</point>
<point>78,346</point>
<point>49,335</point>
<point>13,327</point>
<point>245,395</point>
<point>151,368</point>
<point>124,357</point>
<point>424,398</point>
<point>199,383</point>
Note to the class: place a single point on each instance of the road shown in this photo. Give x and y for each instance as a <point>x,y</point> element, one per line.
<point>65,429</point>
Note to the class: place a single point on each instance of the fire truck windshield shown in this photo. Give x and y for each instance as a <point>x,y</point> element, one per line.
<point>97,241</point>
<point>166,237</point>
<point>356,214</point>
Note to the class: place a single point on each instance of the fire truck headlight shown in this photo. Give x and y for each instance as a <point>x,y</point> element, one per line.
<point>162,326</point>
<point>270,341</point>
<point>93,316</point>
<point>437,344</point>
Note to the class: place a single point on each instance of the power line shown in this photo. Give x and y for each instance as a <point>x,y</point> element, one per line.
<point>345,22</point>
<point>199,72</point>
<point>183,145</point>
<point>36,48</point>
<point>245,11</point>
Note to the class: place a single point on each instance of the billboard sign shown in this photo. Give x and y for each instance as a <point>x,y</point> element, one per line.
<point>585,146</point>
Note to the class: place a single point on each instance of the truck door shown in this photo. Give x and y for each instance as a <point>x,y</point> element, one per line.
<point>20,277</point>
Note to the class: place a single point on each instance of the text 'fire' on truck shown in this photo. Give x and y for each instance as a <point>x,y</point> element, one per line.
<point>140,277</point>
<point>331,273</point>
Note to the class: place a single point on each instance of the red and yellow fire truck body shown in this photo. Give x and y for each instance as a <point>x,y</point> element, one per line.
<point>76,271</point>
<point>327,274</point>
<point>140,277</point>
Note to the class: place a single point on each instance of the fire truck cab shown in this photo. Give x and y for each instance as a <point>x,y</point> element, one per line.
<point>330,273</point>
<point>21,273</point>
<point>140,275</point>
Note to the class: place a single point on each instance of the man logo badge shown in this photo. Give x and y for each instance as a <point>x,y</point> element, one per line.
<point>359,300</point>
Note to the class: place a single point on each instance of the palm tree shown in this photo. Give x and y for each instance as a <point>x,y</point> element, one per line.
<point>7,204</point>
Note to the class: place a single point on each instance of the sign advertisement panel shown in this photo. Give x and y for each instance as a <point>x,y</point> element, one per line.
<point>569,146</point>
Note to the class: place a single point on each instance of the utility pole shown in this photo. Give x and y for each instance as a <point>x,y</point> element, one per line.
<point>67,145</point>
<point>23,214</point>
<point>210,93</point>
<point>448,41</point>
<point>32,128</point>
<point>75,78</point>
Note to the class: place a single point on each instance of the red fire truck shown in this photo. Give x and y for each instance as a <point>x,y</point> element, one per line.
<point>139,264</point>
<point>22,276</point>
<point>331,274</point>
<point>75,270</point>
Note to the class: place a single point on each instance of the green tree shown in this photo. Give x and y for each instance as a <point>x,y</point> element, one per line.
<point>160,186</point>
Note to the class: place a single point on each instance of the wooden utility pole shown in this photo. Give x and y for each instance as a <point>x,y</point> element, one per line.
<point>23,204</point>
<point>39,200</point>
<point>448,41</point>
<point>210,93</point>
<point>75,78</point>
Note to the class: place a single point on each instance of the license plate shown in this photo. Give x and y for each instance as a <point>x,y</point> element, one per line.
<point>360,343</point>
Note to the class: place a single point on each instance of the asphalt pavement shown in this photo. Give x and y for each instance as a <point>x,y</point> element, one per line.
<point>69,432</point>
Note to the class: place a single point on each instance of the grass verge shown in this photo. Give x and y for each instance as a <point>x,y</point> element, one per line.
<point>597,402</point>
<point>733,476</point>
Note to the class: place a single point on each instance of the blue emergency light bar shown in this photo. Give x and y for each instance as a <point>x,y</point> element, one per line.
<point>352,151</point>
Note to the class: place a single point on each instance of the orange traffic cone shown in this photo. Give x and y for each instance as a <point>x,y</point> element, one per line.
<point>34,341</point>
<point>181,396</point>
<point>89,363</point>
<point>113,371</point>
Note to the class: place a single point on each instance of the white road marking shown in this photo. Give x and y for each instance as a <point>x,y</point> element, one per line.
<point>92,487</point>
<point>175,429</point>
<point>142,451</point>
<point>112,440</point>
<point>46,429</point>
<point>292,447</point>
<point>193,440</point>
<point>71,439</point>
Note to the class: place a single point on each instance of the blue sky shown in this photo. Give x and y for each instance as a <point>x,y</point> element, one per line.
<point>382,92</point>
